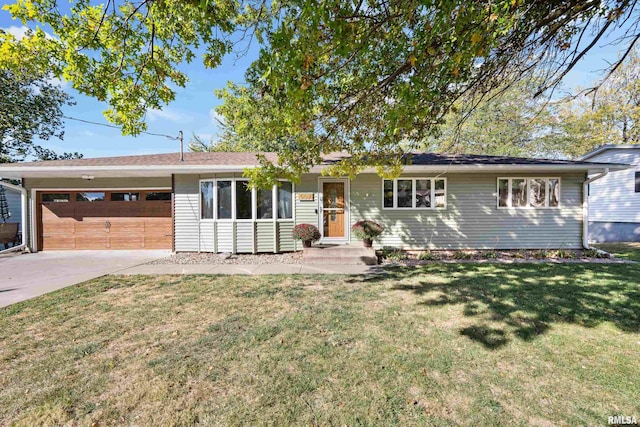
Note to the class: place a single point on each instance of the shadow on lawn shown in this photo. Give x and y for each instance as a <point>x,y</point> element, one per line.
<point>526,299</point>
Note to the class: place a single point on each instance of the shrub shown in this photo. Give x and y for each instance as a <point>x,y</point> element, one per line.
<point>397,255</point>
<point>306,232</point>
<point>367,229</point>
<point>393,254</point>
<point>491,254</point>
<point>427,256</point>
<point>462,255</point>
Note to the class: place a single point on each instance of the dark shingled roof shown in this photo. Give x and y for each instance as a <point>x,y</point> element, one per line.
<point>475,159</point>
<point>250,159</point>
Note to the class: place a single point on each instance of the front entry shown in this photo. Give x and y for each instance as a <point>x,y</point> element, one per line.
<point>333,209</point>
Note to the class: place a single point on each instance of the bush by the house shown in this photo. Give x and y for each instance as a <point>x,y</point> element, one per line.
<point>306,232</point>
<point>367,229</point>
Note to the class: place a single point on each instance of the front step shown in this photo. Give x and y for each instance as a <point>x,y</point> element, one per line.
<point>344,254</point>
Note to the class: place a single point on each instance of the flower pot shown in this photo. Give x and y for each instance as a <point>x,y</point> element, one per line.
<point>367,243</point>
<point>306,243</point>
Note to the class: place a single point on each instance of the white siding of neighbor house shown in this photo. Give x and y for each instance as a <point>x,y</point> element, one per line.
<point>471,219</point>
<point>613,197</point>
<point>14,199</point>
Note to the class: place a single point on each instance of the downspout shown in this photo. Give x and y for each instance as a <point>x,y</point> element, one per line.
<point>585,207</point>
<point>23,221</point>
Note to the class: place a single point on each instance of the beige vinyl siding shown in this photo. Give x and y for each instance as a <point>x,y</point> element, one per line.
<point>224,236</point>
<point>207,236</point>
<point>307,210</point>
<point>265,236</point>
<point>286,243</point>
<point>186,213</point>
<point>613,197</point>
<point>244,237</point>
<point>471,219</point>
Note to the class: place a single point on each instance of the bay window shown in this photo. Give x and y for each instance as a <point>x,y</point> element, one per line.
<point>235,199</point>
<point>414,193</point>
<point>243,200</point>
<point>285,200</point>
<point>224,200</point>
<point>528,192</point>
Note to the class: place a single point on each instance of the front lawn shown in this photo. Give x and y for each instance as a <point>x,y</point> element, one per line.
<point>469,344</point>
<point>624,250</point>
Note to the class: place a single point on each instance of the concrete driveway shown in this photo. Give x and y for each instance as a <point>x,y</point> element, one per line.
<point>24,276</point>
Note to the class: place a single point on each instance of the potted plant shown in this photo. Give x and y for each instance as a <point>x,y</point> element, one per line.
<point>308,233</point>
<point>367,230</point>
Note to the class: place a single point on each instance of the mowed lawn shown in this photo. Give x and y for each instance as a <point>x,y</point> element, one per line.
<point>442,344</point>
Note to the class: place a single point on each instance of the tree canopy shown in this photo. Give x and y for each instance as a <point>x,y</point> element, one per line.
<point>372,78</point>
<point>30,108</point>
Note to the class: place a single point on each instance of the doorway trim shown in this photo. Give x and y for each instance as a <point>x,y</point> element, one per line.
<point>347,210</point>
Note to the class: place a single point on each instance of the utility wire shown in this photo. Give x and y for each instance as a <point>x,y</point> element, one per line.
<point>117,127</point>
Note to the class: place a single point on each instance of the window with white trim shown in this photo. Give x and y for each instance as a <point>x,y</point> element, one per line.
<point>235,199</point>
<point>285,200</point>
<point>531,193</point>
<point>414,193</point>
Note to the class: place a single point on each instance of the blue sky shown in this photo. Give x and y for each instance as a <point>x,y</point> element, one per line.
<point>192,111</point>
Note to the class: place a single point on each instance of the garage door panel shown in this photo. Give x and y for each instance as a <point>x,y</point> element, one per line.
<point>59,227</point>
<point>132,226</point>
<point>58,242</point>
<point>90,226</point>
<point>157,209</point>
<point>90,241</point>
<point>157,242</point>
<point>125,210</point>
<point>105,224</point>
<point>58,210</point>
<point>126,242</point>
<point>154,225</point>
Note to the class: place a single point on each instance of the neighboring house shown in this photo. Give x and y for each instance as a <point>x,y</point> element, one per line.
<point>204,204</point>
<point>14,198</point>
<point>614,200</point>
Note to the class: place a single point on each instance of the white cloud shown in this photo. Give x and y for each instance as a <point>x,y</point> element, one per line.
<point>17,32</point>
<point>164,114</point>
<point>20,32</point>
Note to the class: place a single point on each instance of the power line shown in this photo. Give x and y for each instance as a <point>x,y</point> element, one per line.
<point>117,127</point>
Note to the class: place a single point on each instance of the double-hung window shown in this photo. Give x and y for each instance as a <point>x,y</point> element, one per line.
<point>529,193</point>
<point>414,193</point>
<point>224,199</point>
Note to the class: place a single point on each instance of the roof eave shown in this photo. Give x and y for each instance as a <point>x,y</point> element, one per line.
<point>595,167</point>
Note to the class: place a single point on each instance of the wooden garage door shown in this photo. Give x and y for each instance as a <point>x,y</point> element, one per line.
<point>128,219</point>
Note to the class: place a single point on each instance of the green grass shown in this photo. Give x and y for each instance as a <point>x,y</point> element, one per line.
<point>442,344</point>
<point>625,250</point>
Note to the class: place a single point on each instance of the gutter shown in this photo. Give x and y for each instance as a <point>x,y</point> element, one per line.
<point>585,207</point>
<point>23,221</point>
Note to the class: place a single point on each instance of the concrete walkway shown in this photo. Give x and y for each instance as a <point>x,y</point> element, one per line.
<point>24,276</point>
<point>250,269</point>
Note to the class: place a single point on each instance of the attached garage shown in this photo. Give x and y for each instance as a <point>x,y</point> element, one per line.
<point>104,219</point>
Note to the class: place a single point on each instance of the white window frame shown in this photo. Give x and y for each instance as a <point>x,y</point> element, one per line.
<point>254,202</point>
<point>234,194</point>
<point>413,194</point>
<point>277,200</point>
<point>528,205</point>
